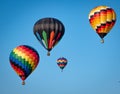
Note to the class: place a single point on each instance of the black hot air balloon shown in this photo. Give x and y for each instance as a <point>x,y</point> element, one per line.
<point>49,32</point>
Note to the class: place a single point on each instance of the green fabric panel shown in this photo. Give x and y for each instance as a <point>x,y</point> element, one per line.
<point>44,34</point>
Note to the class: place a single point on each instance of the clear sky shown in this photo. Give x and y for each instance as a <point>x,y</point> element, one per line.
<point>93,68</point>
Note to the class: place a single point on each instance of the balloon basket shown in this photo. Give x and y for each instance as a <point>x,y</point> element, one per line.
<point>48,54</point>
<point>23,83</point>
<point>102,41</point>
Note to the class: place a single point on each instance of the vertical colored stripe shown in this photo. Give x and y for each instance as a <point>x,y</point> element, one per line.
<point>51,39</point>
<point>45,39</point>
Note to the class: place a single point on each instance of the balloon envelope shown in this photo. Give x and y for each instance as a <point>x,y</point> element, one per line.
<point>49,32</point>
<point>102,19</point>
<point>24,59</point>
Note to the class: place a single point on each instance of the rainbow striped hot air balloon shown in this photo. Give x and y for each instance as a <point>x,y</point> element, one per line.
<point>102,19</point>
<point>24,59</point>
<point>62,62</point>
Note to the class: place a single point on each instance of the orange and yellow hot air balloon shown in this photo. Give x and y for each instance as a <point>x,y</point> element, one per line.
<point>102,19</point>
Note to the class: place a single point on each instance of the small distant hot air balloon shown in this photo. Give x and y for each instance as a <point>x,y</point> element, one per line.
<point>102,19</point>
<point>49,32</point>
<point>24,59</point>
<point>62,62</point>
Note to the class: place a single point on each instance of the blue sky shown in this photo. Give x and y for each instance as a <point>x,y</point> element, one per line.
<point>93,68</point>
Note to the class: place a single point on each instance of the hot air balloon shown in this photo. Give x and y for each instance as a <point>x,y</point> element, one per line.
<point>49,32</point>
<point>24,59</point>
<point>62,62</point>
<point>102,19</point>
